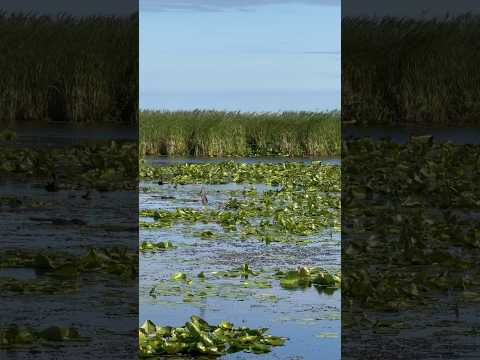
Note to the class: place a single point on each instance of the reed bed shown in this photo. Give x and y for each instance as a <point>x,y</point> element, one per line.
<point>411,71</point>
<point>217,133</point>
<point>63,68</point>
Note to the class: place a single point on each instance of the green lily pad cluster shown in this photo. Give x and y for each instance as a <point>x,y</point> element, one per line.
<point>304,277</point>
<point>101,167</point>
<point>324,177</point>
<point>197,337</point>
<point>411,231</point>
<point>241,283</point>
<point>37,286</point>
<point>15,337</point>
<point>117,261</point>
<point>194,292</point>
<point>299,207</point>
<point>236,284</point>
<point>147,246</point>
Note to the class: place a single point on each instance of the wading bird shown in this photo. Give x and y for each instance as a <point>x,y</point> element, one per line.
<point>203,194</point>
<point>52,185</point>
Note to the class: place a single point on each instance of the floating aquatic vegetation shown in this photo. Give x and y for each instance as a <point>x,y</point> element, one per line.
<point>327,335</point>
<point>15,337</point>
<point>241,283</point>
<point>147,246</point>
<point>117,261</point>
<point>244,272</point>
<point>197,337</point>
<point>37,286</point>
<point>100,167</point>
<point>305,277</point>
<point>322,176</point>
<point>298,207</point>
<point>184,288</point>
<point>415,234</point>
<point>288,203</point>
<point>206,234</point>
<point>273,226</point>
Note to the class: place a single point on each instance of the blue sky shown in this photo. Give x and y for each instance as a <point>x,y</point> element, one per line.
<point>250,55</point>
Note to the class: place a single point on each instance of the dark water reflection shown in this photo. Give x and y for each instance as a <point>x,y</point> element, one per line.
<point>465,135</point>
<point>59,134</point>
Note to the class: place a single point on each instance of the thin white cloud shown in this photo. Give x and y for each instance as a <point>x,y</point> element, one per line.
<point>219,5</point>
<point>322,52</point>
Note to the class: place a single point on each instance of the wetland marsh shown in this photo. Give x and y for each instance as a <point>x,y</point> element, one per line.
<point>256,245</point>
<point>204,133</point>
<point>410,249</point>
<point>68,261</point>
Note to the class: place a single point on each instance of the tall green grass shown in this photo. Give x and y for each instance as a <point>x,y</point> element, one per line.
<point>216,133</point>
<point>416,71</point>
<point>63,68</point>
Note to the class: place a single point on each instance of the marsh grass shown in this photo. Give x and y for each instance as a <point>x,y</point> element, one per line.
<point>63,68</point>
<point>411,71</point>
<point>216,133</point>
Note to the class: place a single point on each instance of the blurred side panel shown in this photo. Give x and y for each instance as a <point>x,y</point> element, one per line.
<point>68,180</point>
<point>410,195</point>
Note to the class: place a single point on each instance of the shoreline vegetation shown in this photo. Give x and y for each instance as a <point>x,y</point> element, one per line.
<point>398,71</point>
<point>217,133</point>
<point>68,69</point>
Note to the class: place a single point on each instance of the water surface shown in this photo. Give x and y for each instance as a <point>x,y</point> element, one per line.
<point>463,135</point>
<point>165,160</point>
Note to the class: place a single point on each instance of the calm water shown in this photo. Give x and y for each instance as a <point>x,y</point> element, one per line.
<point>18,273</point>
<point>465,135</point>
<point>68,134</point>
<point>164,160</point>
<point>58,134</point>
<point>100,307</point>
